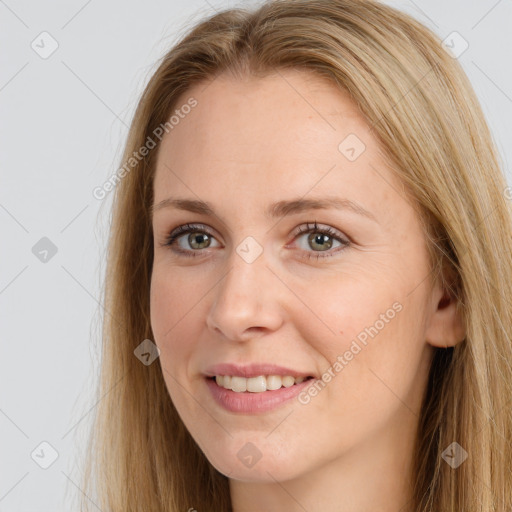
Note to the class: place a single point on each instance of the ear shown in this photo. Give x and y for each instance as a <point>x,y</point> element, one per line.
<point>446,327</point>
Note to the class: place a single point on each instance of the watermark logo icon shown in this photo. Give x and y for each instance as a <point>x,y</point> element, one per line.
<point>454,455</point>
<point>249,455</point>
<point>455,45</point>
<point>147,352</point>
<point>352,147</point>
<point>45,45</point>
<point>44,455</point>
<point>44,250</point>
<point>249,249</point>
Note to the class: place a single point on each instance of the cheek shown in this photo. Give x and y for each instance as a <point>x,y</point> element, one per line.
<point>173,313</point>
<point>174,323</point>
<point>337,308</point>
<point>369,325</point>
<point>170,300</point>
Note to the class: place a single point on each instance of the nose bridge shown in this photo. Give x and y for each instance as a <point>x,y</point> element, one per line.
<point>247,296</point>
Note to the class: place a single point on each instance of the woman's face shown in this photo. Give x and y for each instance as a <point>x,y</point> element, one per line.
<point>351,308</point>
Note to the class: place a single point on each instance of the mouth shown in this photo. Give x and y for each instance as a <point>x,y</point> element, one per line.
<point>253,395</point>
<point>258,384</point>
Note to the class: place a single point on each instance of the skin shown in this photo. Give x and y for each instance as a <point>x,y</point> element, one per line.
<point>250,142</point>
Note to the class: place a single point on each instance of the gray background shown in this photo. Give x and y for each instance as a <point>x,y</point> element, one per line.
<point>63,122</point>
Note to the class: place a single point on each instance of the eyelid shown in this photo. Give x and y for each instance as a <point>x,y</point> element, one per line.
<point>183,229</point>
<point>311,227</point>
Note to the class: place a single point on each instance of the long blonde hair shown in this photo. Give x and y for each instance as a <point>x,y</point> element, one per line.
<point>422,109</point>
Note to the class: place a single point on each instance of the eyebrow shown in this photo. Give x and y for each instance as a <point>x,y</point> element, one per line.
<point>278,209</point>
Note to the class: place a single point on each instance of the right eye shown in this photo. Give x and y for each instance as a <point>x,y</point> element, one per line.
<point>199,238</point>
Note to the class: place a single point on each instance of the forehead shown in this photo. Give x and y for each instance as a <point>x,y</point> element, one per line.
<point>288,133</point>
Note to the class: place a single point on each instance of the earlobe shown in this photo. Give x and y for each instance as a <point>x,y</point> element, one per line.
<point>446,327</point>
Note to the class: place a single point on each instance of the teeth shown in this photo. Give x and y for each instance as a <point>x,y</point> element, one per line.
<point>288,381</point>
<point>274,382</point>
<point>238,384</point>
<point>256,384</point>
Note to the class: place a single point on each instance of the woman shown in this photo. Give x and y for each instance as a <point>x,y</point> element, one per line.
<point>309,276</point>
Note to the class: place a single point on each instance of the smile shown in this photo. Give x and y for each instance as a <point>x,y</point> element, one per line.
<point>257,384</point>
<point>252,402</point>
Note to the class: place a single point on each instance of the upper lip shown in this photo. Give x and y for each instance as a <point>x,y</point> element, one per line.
<point>252,370</point>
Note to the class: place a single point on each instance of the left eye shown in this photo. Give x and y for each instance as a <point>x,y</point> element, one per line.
<point>320,239</point>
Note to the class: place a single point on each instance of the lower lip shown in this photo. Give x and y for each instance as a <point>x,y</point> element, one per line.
<point>248,402</point>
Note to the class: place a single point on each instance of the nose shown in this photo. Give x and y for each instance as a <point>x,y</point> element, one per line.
<point>248,301</point>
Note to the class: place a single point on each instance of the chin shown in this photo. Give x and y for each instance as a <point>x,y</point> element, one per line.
<point>250,464</point>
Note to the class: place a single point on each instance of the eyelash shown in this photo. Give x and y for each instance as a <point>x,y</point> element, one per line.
<point>310,228</point>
